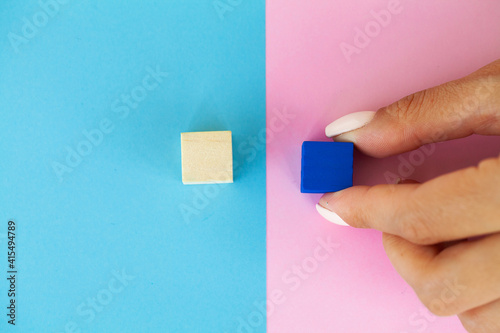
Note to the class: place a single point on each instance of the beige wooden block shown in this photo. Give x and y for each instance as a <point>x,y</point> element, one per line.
<point>207,157</point>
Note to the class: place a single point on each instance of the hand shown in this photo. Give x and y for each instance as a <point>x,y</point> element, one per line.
<point>426,227</point>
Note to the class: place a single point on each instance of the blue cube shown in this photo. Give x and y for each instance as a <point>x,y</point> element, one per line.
<point>326,166</point>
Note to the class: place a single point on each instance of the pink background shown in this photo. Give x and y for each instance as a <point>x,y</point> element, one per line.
<point>429,42</point>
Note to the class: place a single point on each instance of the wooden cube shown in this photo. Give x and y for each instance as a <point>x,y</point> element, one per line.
<point>207,157</point>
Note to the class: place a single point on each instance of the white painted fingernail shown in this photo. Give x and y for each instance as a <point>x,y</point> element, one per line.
<point>349,123</point>
<point>330,216</point>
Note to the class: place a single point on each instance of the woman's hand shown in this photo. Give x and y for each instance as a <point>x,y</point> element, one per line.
<point>426,226</point>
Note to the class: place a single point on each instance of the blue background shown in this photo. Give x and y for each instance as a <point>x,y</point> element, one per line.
<point>123,207</point>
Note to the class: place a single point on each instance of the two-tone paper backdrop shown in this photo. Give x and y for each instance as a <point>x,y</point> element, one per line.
<point>109,240</point>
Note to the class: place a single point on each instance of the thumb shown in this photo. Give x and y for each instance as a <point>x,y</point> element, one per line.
<point>452,110</point>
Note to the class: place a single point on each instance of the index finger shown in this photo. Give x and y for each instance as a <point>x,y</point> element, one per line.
<point>449,111</point>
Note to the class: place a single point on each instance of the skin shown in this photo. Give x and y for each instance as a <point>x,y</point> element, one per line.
<point>427,227</point>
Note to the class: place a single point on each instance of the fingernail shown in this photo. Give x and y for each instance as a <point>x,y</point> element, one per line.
<point>349,123</point>
<point>330,216</point>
